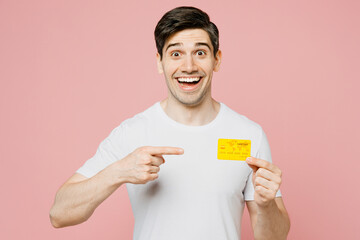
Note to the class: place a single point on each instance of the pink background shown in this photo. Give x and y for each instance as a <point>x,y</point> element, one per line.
<point>71,71</point>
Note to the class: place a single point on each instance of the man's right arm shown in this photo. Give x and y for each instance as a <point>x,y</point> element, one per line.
<point>78,197</point>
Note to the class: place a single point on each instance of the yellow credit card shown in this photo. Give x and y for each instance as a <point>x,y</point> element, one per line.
<point>233,149</point>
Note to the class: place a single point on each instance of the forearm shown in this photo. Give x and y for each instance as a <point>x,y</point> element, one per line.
<point>271,223</point>
<point>75,202</point>
<point>78,198</point>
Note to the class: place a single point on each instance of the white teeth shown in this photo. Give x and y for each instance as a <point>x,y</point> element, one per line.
<point>195,79</point>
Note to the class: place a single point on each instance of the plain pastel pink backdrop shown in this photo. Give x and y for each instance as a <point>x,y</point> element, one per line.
<point>71,71</point>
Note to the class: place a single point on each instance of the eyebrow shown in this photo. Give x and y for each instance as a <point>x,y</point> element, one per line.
<point>198,44</point>
<point>203,44</point>
<point>172,45</point>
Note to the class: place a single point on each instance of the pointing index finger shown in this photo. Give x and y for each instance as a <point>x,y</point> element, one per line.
<point>165,150</point>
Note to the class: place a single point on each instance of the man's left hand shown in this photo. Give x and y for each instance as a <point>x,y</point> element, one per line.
<point>266,180</point>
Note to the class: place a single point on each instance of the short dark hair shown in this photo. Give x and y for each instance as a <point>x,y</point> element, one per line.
<point>182,18</point>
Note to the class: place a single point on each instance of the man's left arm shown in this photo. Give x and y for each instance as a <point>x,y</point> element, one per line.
<point>268,215</point>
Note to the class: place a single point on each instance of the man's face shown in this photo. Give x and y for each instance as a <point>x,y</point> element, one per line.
<point>188,64</point>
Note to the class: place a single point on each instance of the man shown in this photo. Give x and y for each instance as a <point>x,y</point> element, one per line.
<point>197,194</point>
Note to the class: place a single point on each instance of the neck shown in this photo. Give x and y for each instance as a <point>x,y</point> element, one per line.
<point>198,115</point>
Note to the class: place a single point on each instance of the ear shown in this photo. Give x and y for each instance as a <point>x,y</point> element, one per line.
<point>159,64</point>
<point>217,61</point>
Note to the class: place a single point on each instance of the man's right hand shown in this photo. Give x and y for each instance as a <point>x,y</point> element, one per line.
<point>143,164</point>
<point>79,196</point>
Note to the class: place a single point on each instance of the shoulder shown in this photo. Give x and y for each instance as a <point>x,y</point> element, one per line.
<point>139,121</point>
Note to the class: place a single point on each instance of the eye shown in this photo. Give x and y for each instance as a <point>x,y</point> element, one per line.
<point>175,54</point>
<point>200,53</point>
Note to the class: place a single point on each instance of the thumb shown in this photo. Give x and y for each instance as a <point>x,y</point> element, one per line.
<point>253,167</point>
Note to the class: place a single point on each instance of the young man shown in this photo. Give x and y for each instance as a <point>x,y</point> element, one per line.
<point>196,195</point>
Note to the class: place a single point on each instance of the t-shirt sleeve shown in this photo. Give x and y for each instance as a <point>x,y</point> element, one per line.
<point>109,151</point>
<point>262,153</point>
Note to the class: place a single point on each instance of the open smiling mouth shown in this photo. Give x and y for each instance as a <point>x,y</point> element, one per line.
<point>188,83</point>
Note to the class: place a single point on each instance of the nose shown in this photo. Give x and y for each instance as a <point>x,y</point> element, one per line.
<point>189,65</point>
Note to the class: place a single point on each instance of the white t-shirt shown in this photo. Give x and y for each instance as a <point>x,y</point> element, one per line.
<point>196,195</point>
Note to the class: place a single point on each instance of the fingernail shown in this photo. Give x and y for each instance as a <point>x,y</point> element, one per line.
<point>248,159</point>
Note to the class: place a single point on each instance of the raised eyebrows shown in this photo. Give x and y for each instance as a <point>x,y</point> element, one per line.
<point>198,44</point>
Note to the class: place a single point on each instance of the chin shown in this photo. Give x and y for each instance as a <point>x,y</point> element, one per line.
<point>191,102</point>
